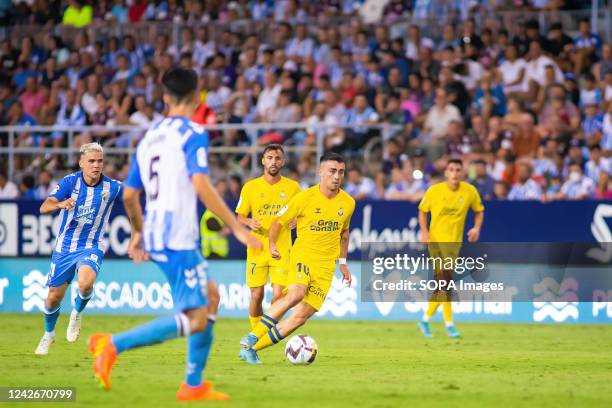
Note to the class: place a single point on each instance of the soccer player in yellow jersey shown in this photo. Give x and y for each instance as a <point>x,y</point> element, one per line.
<point>323,214</point>
<point>263,198</point>
<point>448,203</point>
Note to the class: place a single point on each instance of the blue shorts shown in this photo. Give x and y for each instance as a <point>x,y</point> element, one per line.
<point>65,265</point>
<point>187,275</point>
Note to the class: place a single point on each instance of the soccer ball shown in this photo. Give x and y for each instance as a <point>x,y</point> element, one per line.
<point>301,349</point>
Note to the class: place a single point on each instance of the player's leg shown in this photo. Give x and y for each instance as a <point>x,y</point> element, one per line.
<point>255,306</point>
<point>256,279</point>
<point>106,348</point>
<point>278,279</point>
<point>200,341</point>
<point>60,275</point>
<point>295,294</point>
<point>51,311</point>
<point>86,278</point>
<point>299,315</point>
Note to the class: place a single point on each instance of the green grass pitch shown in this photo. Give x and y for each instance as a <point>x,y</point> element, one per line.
<point>360,364</point>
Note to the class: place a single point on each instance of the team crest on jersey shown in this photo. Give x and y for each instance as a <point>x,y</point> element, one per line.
<point>460,200</point>
<point>105,195</point>
<point>340,212</point>
<point>283,195</point>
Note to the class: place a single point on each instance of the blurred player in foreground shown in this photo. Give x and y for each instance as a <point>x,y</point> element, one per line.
<point>171,166</point>
<point>323,214</point>
<point>85,199</point>
<point>448,203</point>
<point>263,198</point>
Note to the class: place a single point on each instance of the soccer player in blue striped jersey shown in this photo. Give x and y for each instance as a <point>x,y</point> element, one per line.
<point>85,199</point>
<point>171,166</point>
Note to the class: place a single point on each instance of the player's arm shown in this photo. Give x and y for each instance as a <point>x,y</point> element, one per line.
<point>59,199</point>
<point>213,201</point>
<point>285,217</point>
<point>344,241</point>
<point>478,208</point>
<point>131,201</point>
<point>52,204</point>
<point>197,168</point>
<point>423,223</point>
<point>424,209</point>
<point>243,209</point>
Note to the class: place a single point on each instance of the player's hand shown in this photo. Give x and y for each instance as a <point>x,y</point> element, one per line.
<point>274,252</point>
<point>346,275</point>
<point>425,236</point>
<point>473,234</point>
<point>135,250</point>
<point>292,224</point>
<point>67,204</point>
<point>247,239</point>
<point>254,223</point>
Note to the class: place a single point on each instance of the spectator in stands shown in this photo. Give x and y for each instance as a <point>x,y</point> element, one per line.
<point>27,187</point>
<point>71,113</point>
<point>577,186</point>
<point>525,188</point>
<point>77,14</point>
<point>586,44</point>
<point>500,190</point>
<point>603,190</point>
<point>438,120</point>
<point>513,72</point>
<point>597,164</point>
<point>484,183</point>
<point>45,185</point>
<point>360,117</point>
<point>404,186</point>
<point>592,124</point>
<point>32,97</point>
<point>268,97</point>
<point>8,189</point>
<point>525,139</point>
<point>358,186</point>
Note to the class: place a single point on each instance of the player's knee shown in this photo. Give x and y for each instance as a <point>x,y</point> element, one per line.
<point>294,298</point>
<point>257,295</point>
<point>299,320</point>
<point>54,298</point>
<point>198,319</point>
<point>86,287</point>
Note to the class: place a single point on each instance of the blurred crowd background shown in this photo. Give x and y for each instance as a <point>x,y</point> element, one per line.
<point>520,90</point>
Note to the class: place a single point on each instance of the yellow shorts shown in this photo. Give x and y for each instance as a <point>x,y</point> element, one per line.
<point>317,280</point>
<point>257,276</point>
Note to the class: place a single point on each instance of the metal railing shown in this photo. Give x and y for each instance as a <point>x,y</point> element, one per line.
<point>253,130</point>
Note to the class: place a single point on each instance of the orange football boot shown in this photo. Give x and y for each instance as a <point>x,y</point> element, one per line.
<point>204,392</point>
<point>105,356</point>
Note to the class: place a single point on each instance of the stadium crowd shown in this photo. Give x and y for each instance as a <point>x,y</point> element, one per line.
<point>528,108</point>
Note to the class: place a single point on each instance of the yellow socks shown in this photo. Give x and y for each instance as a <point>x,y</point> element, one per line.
<point>254,320</point>
<point>431,310</point>
<point>265,323</point>
<point>447,310</point>
<point>273,336</point>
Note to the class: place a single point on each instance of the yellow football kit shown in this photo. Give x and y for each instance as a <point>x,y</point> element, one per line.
<point>448,209</point>
<point>320,222</point>
<point>264,200</point>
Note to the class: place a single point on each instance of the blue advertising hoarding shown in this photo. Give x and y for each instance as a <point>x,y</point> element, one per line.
<point>125,288</point>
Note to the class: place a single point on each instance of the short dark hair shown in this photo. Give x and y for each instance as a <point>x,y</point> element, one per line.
<point>332,156</point>
<point>273,146</point>
<point>455,161</point>
<point>180,84</point>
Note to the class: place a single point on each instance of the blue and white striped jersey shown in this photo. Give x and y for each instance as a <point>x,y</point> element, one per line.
<point>84,225</point>
<point>169,154</point>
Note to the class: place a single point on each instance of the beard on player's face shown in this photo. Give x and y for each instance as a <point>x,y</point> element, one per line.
<point>273,170</point>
